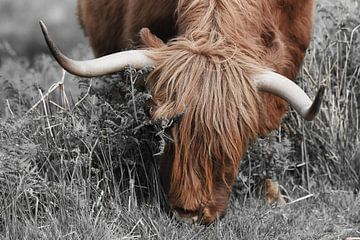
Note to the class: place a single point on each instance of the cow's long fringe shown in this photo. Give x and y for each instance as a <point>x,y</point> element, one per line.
<point>221,109</point>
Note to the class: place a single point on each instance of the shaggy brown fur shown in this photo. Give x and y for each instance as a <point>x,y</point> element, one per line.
<point>113,25</point>
<point>272,193</point>
<point>205,71</point>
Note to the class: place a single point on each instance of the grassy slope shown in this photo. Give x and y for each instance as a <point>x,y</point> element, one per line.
<point>77,172</point>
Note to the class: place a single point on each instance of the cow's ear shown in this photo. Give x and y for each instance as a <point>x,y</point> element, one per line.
<point>150,40</point>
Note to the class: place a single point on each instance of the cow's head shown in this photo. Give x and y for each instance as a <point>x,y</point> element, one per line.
<point>219,97</point>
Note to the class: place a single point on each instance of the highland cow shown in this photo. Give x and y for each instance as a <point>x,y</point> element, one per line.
<point>228,65</point>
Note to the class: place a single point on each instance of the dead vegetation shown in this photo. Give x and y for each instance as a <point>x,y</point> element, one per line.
<point>79,165</point>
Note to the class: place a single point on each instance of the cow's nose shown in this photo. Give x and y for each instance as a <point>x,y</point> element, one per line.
<point>187,218</point>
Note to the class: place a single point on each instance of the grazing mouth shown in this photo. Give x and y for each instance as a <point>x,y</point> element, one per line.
<point>187,216</point>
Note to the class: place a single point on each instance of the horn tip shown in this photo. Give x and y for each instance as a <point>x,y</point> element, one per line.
<point>320,94</point>
<point>42,25</point>
<point>315,107</point>
<point>45,33</point>
<point>54,50</point>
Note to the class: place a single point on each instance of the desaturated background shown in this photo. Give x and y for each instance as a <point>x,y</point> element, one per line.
<point>20,33</point>
<point>59,170</point>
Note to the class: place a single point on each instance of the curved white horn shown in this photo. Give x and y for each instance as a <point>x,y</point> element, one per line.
<point>285,88</point>
<point>100,66</point>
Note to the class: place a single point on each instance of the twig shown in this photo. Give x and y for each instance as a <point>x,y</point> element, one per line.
<point>85,96</point>
<point>51,89</point>
<point>132,81</point>
<point>46,114</point>
<point>301,199</point>
<point>133,229</point>
<point>57,105</point>
<point>63,92</point>
<point>8,105</point>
